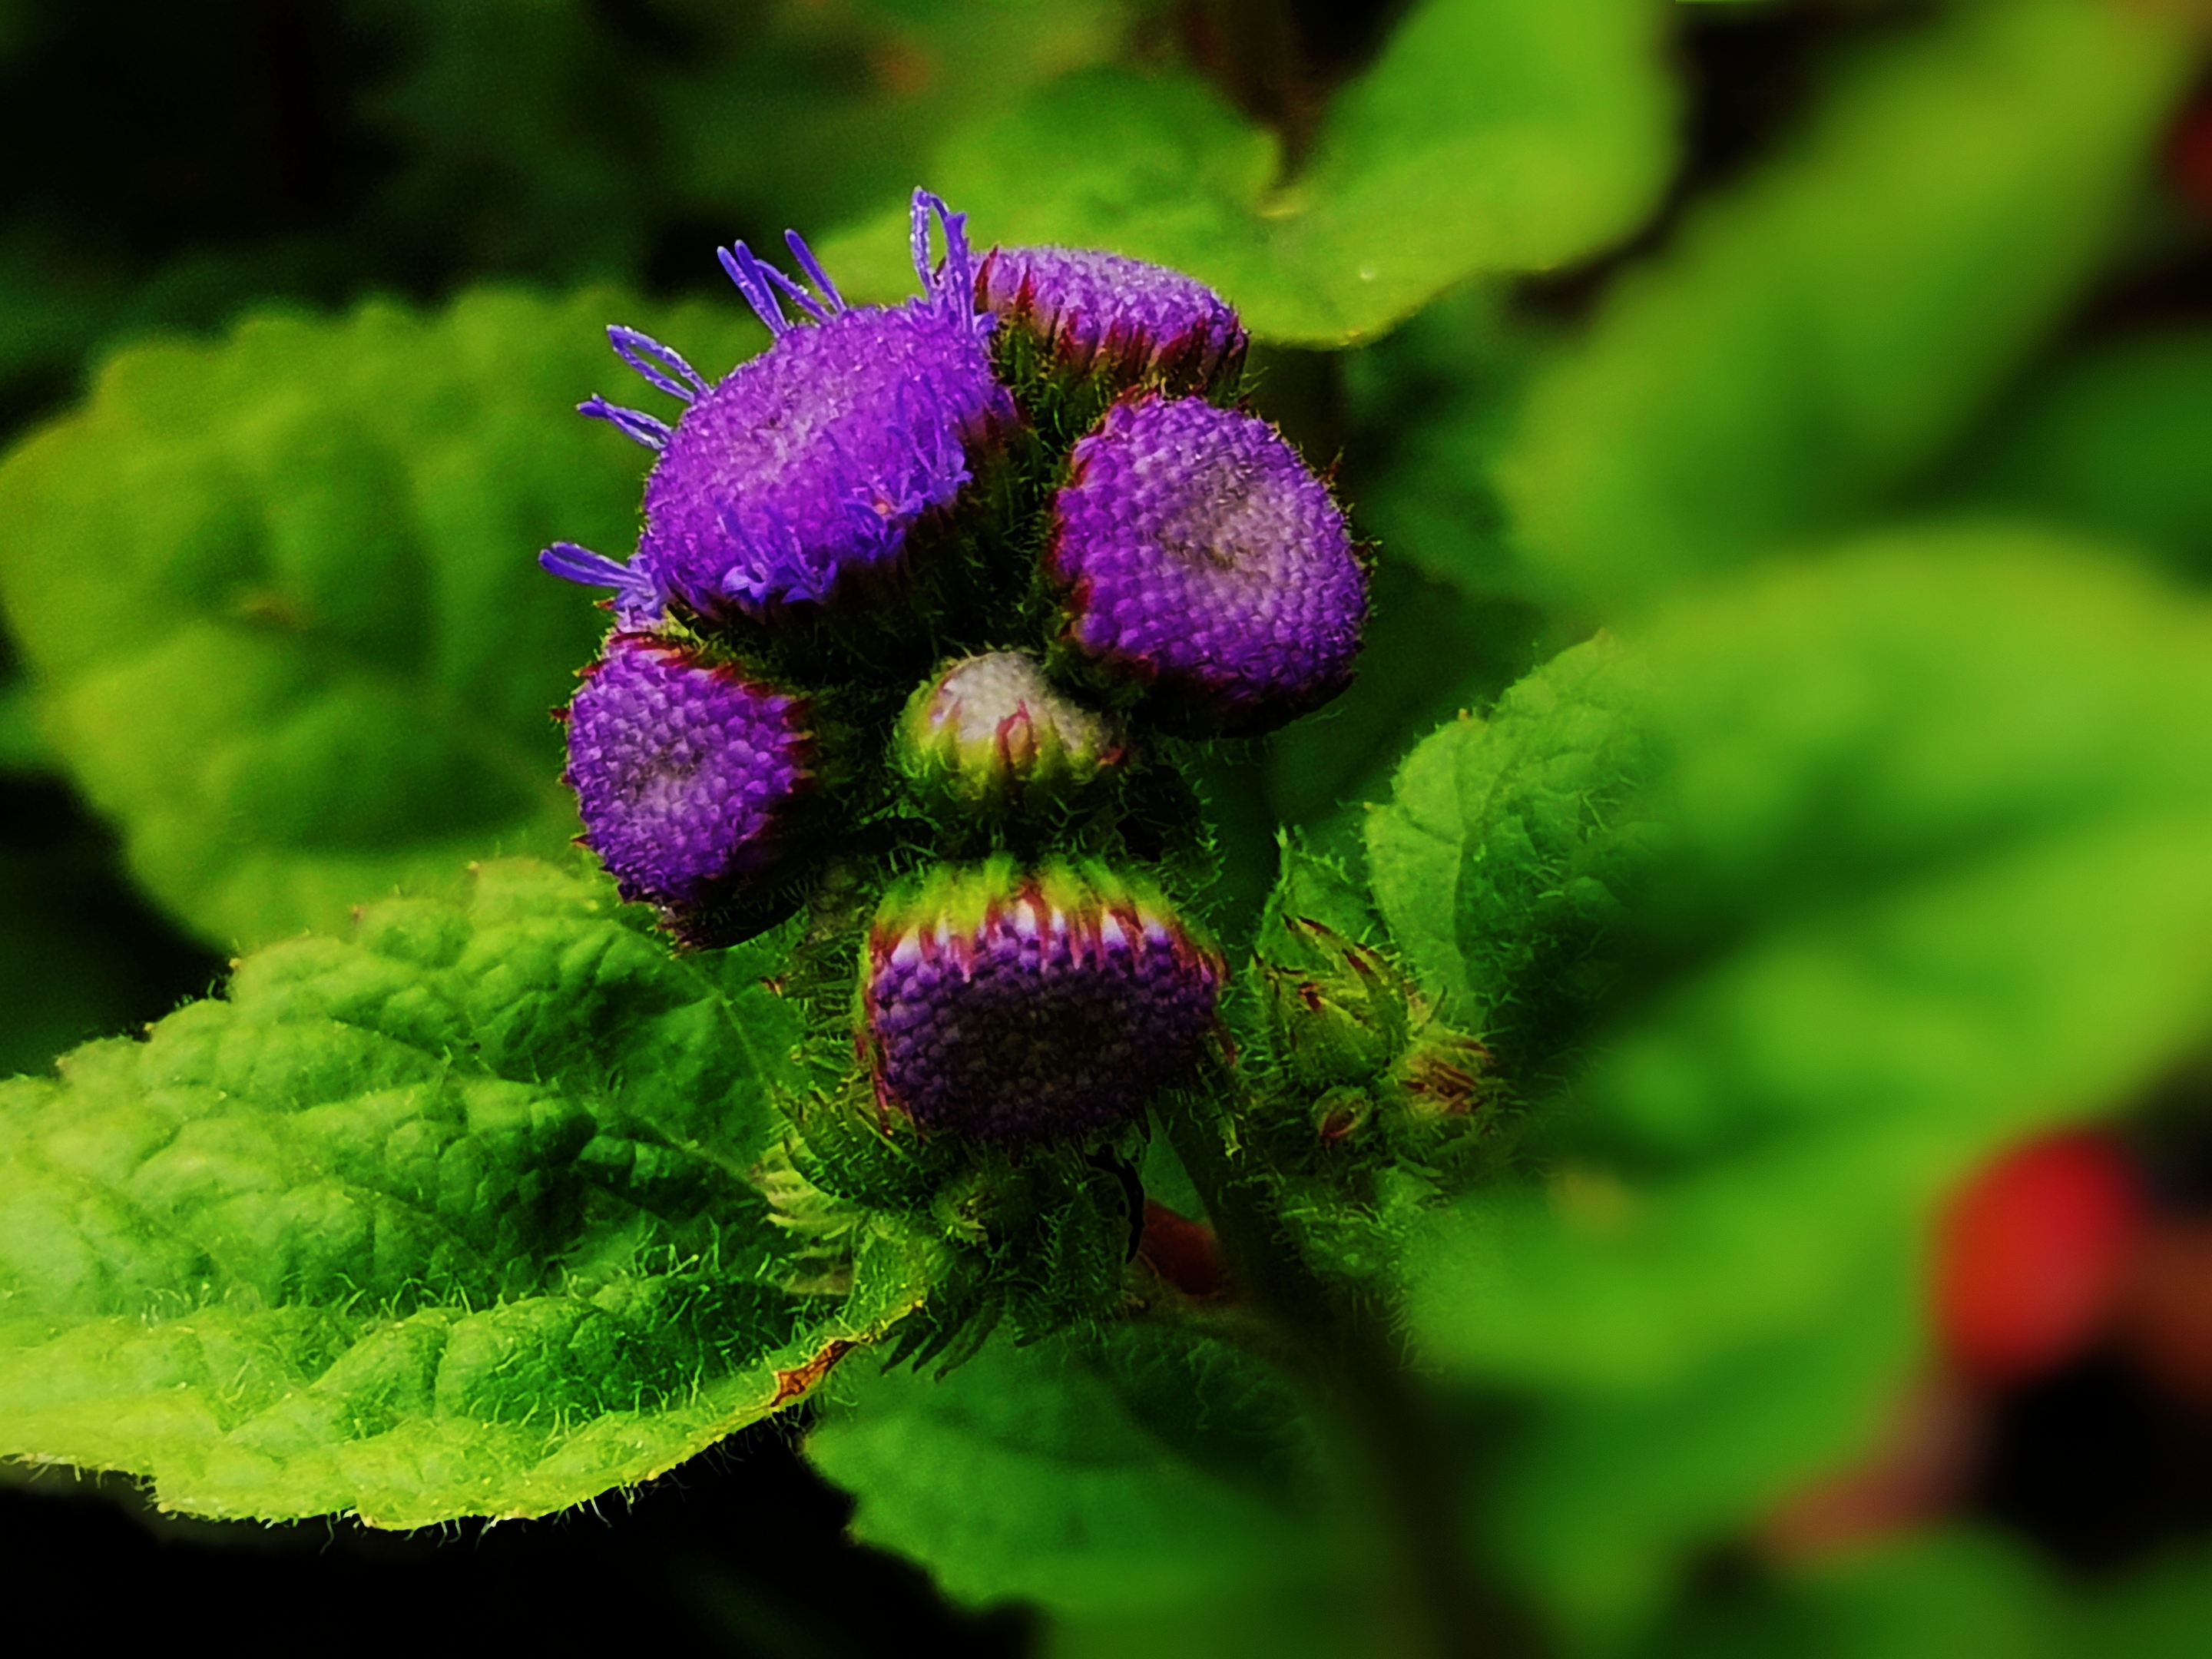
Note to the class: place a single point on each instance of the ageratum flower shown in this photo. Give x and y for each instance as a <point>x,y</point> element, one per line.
<point>1027,1005</point>
<point>1198,556</point>
<point>811,464</point>
<point>992,733</point>
<point>1121,319</point>
<point>686,771</point>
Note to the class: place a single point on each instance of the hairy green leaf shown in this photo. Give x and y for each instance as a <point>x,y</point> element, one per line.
<point>279,597</point>
<point>1489,135</point>
<point>464,1216</point>
<point>1814,334</point>
<point>1932,875</point>
<point>1135,1471</point>
<point>1497,863</point>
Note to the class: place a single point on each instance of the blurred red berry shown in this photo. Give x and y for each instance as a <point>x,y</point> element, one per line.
<point>2031,1255</point>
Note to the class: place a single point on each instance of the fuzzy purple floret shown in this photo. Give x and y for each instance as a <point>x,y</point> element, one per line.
<point>812,461</point>
<point>1198,553</point>
<point>815,459</point>
<point>1093,309</point>
<point>1025,1032</point>
<point>683,770</point>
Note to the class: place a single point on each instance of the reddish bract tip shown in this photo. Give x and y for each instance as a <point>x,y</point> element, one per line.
<point>1184,1253</point>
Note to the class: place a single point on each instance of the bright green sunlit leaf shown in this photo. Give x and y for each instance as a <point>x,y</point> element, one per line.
<point>460,1216</point>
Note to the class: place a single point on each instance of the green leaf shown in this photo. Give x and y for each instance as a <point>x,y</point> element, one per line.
<point>1489,135</point>
<point>1928,1597</point>
<point>1817,333</point>
<point>1135,1473</point>
<point>871,88</point>
<point>1430,652</point>
<point>1910,866</point>
<point>1284,1620</point>
<point>1933,876</point>
<point>1601,1497</point>
<point>1952,1592</point>
<point>2156,1611</point>
<point>1497,862</point>
<point>279,598</point>
<point>461,1216</point>
<point>2112,441</point>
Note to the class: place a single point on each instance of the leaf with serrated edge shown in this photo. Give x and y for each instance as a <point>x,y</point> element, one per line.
<point>1932,879</point>
<point>1933,876</point>
<point>453,1218</point>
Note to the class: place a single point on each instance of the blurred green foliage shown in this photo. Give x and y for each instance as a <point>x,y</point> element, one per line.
<point>332,675</point>
<point>1830,324</point>
<point>2111,439</point>
<point>1846,364</point>
<point>1487,135</point>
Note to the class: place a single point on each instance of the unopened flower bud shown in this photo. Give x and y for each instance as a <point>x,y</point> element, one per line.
<point>1120,320</point>
<point>1031,1004</point>
<point>991,733</point>
<point>686,771</point>
<point>1199,559</point>
<point>1341,1013</point>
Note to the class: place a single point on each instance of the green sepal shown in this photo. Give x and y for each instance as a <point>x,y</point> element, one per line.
<point>1063,401</point>
<point>847,1144</point>
<point>1341,1011</point>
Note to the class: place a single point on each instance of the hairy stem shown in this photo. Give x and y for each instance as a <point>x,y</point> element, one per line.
<point>1341,1345</point>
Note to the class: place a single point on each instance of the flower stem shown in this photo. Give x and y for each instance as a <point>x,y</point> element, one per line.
<point>1339,1342</point>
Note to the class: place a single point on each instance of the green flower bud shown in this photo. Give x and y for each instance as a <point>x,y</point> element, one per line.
<point>1341,1013</point>
<point>991,733</point>
<point>1439,1080</point>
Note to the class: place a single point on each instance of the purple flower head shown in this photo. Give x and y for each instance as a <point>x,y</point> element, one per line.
<point>812,461</point>
<point>1198,556</point>
<point>1025,1006</point>
<point>992,733</point>
<point>684,770</point>
<point>1127,320</point>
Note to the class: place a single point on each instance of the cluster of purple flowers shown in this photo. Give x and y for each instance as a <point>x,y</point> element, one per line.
<point>884,462</point>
